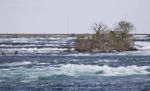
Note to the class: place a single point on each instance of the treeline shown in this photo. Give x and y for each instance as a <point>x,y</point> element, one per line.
<point>106,39</point>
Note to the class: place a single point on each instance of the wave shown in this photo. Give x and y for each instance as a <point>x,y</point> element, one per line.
<point>75,70</point>
<point>142,45</point>
<point>33,50</point>
<point>35,40</point>
<point>16,63</point>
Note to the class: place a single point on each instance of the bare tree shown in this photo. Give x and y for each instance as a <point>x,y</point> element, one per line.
<point>100,31</point>
<point>125,40</point>
<point>105,39</point>
<point>125,26</point>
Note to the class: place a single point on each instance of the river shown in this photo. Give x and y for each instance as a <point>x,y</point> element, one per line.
<point>39,64</point>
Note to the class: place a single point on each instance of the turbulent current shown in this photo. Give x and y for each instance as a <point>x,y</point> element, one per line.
<point>40,64</point>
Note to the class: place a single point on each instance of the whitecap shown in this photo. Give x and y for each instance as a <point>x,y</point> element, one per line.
<point>142,45</point>
<point>16,63</point>
<point>107,61</point>
<point>74,70</point>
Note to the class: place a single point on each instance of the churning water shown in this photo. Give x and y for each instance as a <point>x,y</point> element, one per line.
<point>41,65</point>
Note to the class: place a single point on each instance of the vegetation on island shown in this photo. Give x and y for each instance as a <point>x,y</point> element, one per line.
<point>105,39</point>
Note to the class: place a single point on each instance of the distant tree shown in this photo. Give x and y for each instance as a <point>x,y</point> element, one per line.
<point>100,31</point>
<point>125,39</point>
<point>112,39</point>
<point>125,27</point>
<point>105,39</point>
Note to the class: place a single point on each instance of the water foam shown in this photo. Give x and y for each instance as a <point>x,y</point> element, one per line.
<point>16,63</point>
<point>142,45</point>
<point>33,73</point>
<point>77,70</point>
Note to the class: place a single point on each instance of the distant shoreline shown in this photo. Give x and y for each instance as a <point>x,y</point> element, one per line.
<point>19,35</point>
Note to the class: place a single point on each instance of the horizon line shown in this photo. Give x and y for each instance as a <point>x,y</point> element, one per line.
<point>61,33</point>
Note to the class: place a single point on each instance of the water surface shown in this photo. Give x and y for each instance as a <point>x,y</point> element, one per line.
<point>34,68</point>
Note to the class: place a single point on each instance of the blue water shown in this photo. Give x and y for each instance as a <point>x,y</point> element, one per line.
<point>75,73</point>
<point>32,70</point>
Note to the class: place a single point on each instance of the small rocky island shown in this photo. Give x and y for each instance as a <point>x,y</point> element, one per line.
<point>106,39</point>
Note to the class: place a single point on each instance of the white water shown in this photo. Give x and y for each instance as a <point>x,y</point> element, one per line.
<point>34,50</point>
<point>51,46</point>
<point>33,73</point>
<point>16,63</point>
<point>142,45</point>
